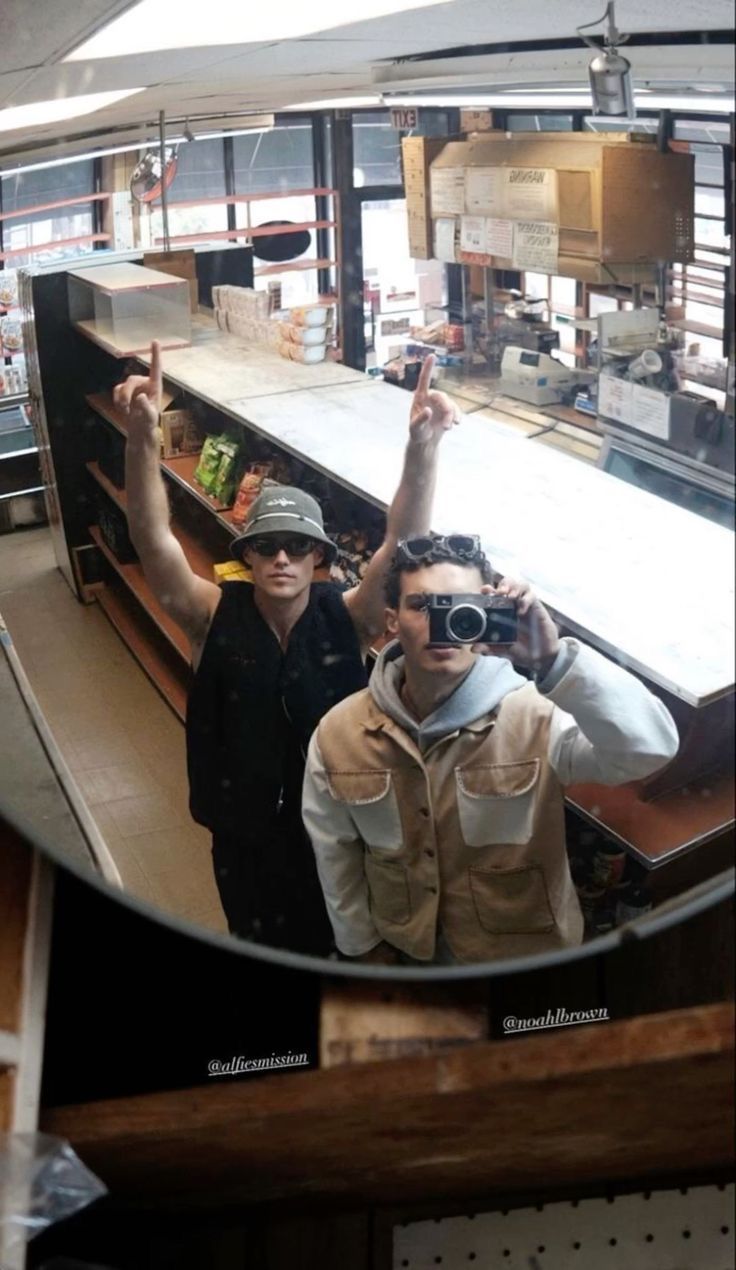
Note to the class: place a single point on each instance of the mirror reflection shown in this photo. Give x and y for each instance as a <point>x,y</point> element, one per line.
<point>443,700</point>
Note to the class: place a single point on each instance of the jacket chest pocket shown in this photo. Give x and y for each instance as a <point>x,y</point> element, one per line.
<point>496,802</point>
<point>371,800</point>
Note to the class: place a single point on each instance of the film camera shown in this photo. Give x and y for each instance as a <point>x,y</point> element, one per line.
<point>471,619</point>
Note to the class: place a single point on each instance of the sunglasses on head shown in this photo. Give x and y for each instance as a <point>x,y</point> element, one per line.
<point>270,545</point>
<point>463,545</point>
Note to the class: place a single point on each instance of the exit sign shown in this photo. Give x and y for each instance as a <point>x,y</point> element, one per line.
<point>404,120</point>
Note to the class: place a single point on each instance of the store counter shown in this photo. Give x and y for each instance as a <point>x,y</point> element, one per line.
<point>37,791</point>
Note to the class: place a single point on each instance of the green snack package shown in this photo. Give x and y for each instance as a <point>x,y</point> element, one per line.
<point>209,462</point>
<point>223,487</point>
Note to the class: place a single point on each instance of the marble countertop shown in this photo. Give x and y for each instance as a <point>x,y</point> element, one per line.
<point>634,575</point>
<point>219,368</point>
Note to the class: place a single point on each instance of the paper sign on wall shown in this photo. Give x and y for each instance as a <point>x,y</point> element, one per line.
<point>615,398</point>
<point>444,239</point>
<point>500,238</point>
<point>530,194</point>
<point>536,246</point>
<point>651,412</point>
<point>447,187</point>
<point>484,191</point>
<point>473,235</point>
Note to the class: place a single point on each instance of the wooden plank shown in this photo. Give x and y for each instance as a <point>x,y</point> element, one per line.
<point>15,884</point>
<point>366,1022</point>
<point>605,1101</point>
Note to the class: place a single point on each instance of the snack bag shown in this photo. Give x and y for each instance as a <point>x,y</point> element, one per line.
<point>223,486</point>
<point>250,488</point>
<point>209,462</point>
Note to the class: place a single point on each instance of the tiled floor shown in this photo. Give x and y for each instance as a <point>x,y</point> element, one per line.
<point>123,744</point>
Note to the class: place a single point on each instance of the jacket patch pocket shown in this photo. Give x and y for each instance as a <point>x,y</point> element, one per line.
<point>388,886</point>
<point>373,806</point>
<point>511,901</point>
<point>496,802</point>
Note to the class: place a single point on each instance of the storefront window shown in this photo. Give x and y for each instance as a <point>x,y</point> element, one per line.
<point>376,149</point>
<point>399,293</point>
<point>23,191</point>
<point>200,173</point>
<point>539,123</point>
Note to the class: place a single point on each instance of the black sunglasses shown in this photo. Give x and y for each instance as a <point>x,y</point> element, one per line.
<point>270,545</point>
<point>416,548</point>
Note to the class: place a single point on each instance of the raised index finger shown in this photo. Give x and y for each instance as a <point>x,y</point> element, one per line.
<point>425,377</point>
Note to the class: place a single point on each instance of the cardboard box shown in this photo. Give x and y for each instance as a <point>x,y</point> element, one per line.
<point>476,121</point>
<point>179,434</point>
<point>178,264</point>
<point>620,204</point>
<point>417,154</point>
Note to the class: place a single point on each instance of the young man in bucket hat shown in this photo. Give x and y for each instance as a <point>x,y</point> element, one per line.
<point>269,660</point>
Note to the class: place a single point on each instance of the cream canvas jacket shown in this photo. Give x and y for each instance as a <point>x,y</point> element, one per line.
<point>457,824</point>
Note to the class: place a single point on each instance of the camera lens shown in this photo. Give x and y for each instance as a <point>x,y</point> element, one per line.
<point>466,623</point>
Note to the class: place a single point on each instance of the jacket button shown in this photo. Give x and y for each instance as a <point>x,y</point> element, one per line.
<point>432,890</point>
<point>428,851</point>
<point>424,811</point>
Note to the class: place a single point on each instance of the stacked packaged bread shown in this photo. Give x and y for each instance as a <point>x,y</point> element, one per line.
<point>245,312</point>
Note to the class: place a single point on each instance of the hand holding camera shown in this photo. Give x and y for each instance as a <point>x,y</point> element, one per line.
<point>506,621</point>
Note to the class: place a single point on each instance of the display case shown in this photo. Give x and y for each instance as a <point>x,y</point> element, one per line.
<point>122,307</point>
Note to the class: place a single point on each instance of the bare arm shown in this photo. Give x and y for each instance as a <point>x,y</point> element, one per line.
<point>432,414</point>
<point>187,598</point>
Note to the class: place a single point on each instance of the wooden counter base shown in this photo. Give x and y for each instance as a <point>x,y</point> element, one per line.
<point>601,1102</point>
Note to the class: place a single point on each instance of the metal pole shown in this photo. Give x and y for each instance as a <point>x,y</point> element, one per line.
<point>164,204</point>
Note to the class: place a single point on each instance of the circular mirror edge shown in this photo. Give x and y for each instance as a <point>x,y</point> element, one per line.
<point>697,899</point>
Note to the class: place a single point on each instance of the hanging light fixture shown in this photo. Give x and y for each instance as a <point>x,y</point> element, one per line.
<point>610,74</point>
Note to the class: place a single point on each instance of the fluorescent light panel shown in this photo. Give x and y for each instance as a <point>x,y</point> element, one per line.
<point>337,103</point>
<point>157,24</point>
<point>37,113</point>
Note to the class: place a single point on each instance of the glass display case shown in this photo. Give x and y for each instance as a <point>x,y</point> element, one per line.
<point>122,307</point>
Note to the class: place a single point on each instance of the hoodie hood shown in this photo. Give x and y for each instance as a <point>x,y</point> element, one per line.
<point>482,690</point>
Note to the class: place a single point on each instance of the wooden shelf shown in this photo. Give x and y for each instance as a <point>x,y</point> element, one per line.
<point>665,827</point>
<point>140,343</point>
<point>112,491</point>
<point>201,561</point>
<point>103,405</point>
<point>295,265</point>
<point>132,575</point>
<point>182,468</point>
<point>162,666</point>
<point>530,1112</point>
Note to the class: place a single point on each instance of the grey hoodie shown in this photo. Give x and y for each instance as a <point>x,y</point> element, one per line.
<point>483,688</point>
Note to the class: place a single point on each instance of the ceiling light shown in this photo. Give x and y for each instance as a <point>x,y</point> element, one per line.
<point>152,25</point>
<point>610,74</point>
<point>38,113</point>
<point>336,103</point>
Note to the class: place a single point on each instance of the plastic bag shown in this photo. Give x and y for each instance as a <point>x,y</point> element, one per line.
<point>42,1181</point>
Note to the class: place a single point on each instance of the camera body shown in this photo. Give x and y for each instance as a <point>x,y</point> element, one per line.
<point>471,619</point>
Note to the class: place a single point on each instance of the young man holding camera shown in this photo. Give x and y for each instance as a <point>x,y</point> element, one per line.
<point>434,798</point>
<point>269,660</point>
